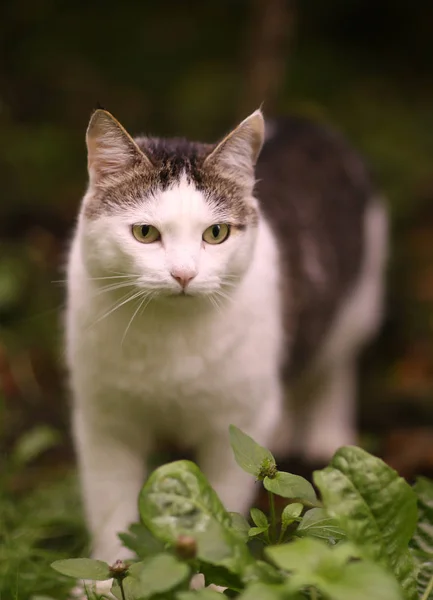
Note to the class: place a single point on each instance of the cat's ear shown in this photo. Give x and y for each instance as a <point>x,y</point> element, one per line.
<point>110,149</point>
<point>238,152</point>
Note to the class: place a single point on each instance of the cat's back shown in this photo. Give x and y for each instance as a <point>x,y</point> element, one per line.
<point>315,192</point>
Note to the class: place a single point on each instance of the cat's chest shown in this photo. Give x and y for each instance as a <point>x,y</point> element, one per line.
<point>156,358</point>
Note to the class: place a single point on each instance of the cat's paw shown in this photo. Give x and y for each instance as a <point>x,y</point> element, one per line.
<point>92,590</point>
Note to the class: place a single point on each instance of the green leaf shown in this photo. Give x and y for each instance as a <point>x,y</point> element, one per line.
<point>161,573</point>
<point>262,572</point>
<point>83,568</point>
<point>259,518</point>
<point>239,525</point>
<point>213,545</point>
<point>422,540</point>
<point>291,512</point>
<point>291,486</point>
<point>141,541</point>
<point>317,523</point>
<point>375,508</point>
<point>155,575</point>
<point>262,591</point>
<point>250,456</point>
<point>177,499</point>
<point>203,594</point>
<point>257,531</point>
<point>425,581</point>
<point>313,563</point>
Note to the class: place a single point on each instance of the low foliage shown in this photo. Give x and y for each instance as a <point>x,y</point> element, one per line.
<point>369,536</point>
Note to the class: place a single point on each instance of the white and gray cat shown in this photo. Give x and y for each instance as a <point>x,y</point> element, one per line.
<point>205,289</point>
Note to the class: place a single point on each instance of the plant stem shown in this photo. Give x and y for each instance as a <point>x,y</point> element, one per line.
<point>313,593</point>
<point>428,590</point>
<point>273,517</point>
<point>122,591</point>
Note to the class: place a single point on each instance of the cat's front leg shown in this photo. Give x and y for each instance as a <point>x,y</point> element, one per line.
<point>112,471</point>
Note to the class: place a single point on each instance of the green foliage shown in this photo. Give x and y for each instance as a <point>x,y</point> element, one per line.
<point>83,568</point>
<point>250,456</point>
<point>359,544</point>
<point>291,486</point>
<point>375,507</point>
<point>317,523</point>
<point>37,528</point>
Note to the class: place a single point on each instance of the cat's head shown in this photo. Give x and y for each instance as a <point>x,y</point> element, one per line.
<point>178,217</point>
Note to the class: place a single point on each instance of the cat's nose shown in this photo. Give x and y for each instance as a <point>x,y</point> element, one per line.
<point>183,276</point>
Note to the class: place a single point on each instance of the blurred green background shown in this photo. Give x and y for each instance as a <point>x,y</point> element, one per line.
<point>193,68</point>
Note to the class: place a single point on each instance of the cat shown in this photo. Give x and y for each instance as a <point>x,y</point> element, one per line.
<point>216,284</point>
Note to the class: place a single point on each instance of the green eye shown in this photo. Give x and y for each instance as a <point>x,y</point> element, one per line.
<point>216,234</point>
<point>146,234</point>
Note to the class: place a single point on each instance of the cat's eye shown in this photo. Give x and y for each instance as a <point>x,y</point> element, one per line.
<point>216,234</point>
<point>146,234</point>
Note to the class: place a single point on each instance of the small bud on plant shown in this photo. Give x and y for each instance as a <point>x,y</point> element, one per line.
<point>186,547</point>
<point>268,468</point>
<point>119,570</point>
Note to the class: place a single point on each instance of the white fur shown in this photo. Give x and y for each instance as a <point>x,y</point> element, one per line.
<point>183,368</point>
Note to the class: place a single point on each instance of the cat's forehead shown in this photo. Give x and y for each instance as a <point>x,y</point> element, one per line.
<point>179,173</point>
<point>177,205</point>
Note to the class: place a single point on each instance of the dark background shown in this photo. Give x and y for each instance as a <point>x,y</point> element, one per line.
<point>194,68</point>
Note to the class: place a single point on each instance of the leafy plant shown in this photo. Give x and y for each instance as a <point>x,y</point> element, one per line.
<point>361,540</point>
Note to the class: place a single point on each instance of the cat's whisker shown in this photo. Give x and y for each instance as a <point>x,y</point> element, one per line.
<point>142,298</point>
<point>221,294</point>
<point>113,287</point>
<point>124,300</point>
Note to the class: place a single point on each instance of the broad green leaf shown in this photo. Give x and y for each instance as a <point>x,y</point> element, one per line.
<point>250,456</point>
<point>263,591</point>
<point>422,540</point>
<point>213,545</point>
<point>262,572</point>
<point>239,525</point>
<point>291,486</point>
<point>317,523</point>
<point>375,508</point>
<point>203,594</point>
<point>425,581</point>
<point>141,541</point>
<point>177,499</point>
<point>257,531</point>
<point>259,518</point>
<point>161,573</point>
<point>313,563</point>
<point>155,575</point>
<point>83,568</point>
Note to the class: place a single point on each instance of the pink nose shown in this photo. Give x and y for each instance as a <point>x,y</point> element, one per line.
<point>183,277</point>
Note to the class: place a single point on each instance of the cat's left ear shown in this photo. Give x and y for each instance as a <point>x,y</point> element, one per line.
<point>236,155</point>
<point>110,148</point>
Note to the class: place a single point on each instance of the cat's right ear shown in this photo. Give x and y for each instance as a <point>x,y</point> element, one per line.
<point>110,149</point>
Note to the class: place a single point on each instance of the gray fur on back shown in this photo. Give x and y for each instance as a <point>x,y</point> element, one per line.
<point>314,190</point>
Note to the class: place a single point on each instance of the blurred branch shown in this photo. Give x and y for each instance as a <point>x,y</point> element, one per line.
<point>267,49</point>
